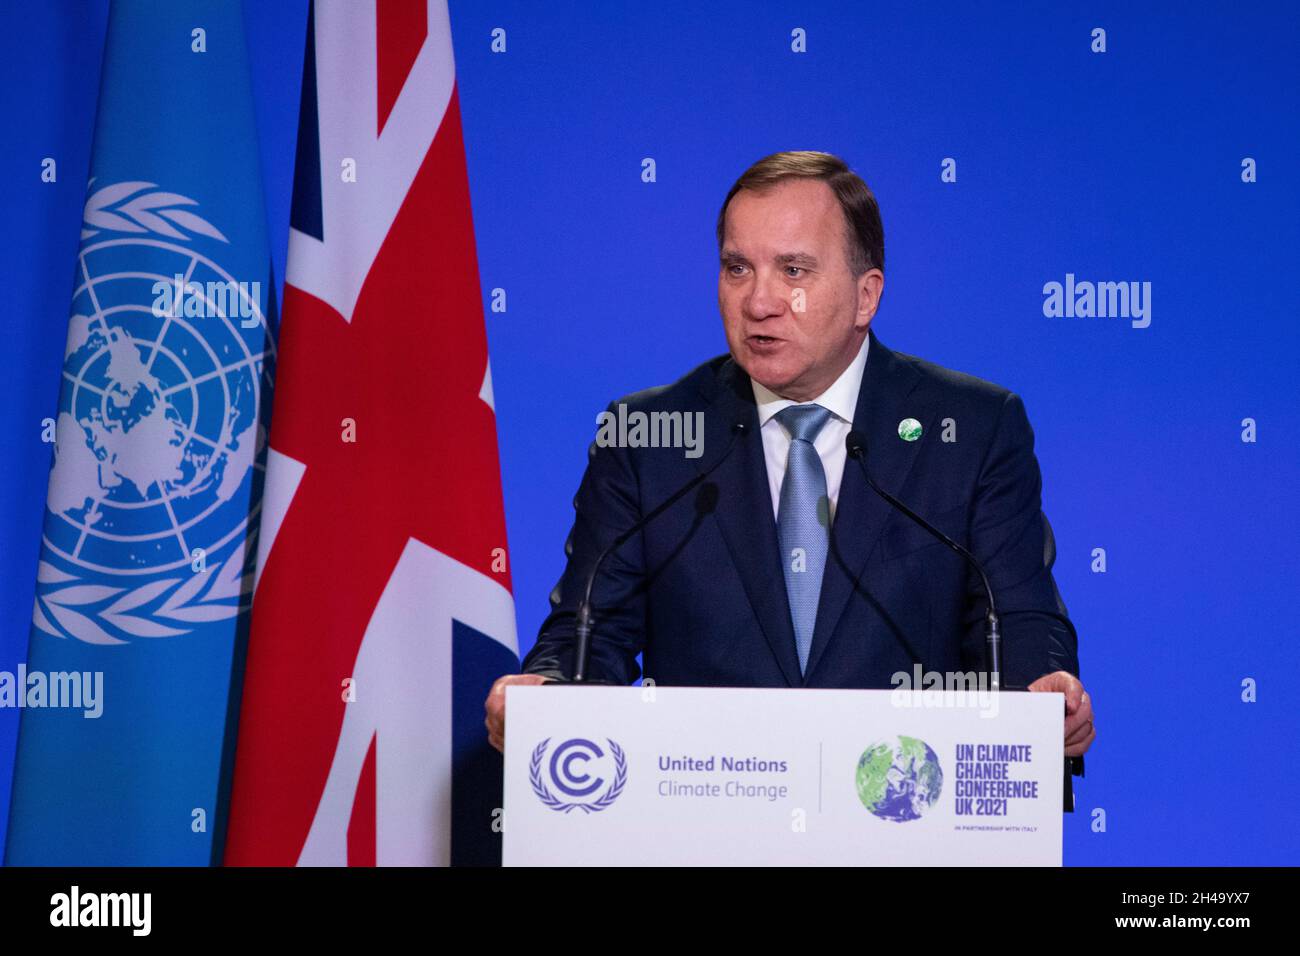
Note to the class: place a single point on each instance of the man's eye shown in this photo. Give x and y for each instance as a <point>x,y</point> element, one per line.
<point>791,270</point>
<point>735,270</point>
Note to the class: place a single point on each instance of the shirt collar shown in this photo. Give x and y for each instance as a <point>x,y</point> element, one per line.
<point>841,398</point>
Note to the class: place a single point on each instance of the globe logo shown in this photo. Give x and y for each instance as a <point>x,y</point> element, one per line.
<point>159,426</point>
<point>574,770</point>
<point>899,781</point>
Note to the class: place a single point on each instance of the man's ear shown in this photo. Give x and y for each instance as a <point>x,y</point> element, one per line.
<point>871,285</point>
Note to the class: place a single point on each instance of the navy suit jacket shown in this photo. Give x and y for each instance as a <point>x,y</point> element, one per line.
<point>701,595</point>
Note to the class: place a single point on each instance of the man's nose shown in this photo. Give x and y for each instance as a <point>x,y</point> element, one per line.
<point>766,299</point>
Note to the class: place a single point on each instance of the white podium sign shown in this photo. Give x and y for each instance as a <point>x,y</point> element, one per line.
<point>753,776</point>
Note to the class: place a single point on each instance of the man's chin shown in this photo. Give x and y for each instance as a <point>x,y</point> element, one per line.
<point>770,374</point>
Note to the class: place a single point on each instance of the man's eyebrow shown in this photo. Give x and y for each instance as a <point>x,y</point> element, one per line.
<point>732,257</point>
<point>797,259</point>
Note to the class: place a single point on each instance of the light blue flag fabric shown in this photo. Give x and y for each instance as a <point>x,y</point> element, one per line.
<point>130,689</point>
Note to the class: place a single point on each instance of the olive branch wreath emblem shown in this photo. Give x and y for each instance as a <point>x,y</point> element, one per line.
<point>206,596</point>
<point>118,208</point>
<point>214,594</point>
<point>608,797</point>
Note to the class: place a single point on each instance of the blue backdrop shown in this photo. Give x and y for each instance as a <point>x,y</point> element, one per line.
<point>1117,166</point>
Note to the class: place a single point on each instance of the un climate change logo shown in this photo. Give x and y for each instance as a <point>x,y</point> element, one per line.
<point>899,781</point>
<point>567,770</point>
<point>159,427</point>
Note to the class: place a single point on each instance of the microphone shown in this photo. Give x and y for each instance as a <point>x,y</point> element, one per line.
<point>584,619</point>
<point>856,446</point>
<point>903,642</point>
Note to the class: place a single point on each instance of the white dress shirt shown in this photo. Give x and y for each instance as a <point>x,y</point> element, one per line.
<point>841,399</point>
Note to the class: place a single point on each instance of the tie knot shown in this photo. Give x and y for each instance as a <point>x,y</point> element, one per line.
<point>803,422</point>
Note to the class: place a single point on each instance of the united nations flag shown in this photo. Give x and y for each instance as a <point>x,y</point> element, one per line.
<point>147,552</point>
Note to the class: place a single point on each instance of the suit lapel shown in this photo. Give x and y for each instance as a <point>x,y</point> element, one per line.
<point>860,513</point>
<point>744,512</point>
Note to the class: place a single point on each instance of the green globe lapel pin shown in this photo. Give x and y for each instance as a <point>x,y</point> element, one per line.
<point>909,429</point>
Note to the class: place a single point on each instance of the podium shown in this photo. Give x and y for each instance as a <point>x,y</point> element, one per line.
<point>685,776</point>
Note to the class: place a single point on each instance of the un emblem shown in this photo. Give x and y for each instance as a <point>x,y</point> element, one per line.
<point>572,771</point>
<point>159,429</point>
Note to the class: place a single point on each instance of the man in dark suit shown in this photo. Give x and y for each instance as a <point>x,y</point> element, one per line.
<point>785,569</point>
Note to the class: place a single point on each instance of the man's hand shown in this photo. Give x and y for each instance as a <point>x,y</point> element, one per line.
<point>495,705</point>
<point>1079,729</point>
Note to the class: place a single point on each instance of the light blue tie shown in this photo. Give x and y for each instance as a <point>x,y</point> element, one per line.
<point>803,521</point>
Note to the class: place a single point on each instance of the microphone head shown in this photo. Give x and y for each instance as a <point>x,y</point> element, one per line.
<point>739,428</point>
<point>856,444</point>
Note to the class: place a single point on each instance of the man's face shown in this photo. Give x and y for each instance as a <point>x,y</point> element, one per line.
<point>783,250</point>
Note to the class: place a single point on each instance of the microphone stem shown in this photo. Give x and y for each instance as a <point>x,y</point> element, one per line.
<point>992,623</point>
<point>584,624</point>
<point>582,642</point>
<point>993,649</point>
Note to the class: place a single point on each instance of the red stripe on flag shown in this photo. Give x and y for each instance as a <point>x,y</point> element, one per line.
<point>401,28</point>
<point>361,828</point>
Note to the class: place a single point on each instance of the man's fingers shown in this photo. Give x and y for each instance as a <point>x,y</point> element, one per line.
<point>1080,733</point>
<point>1075,697</point>
<point>1080,729</point>
<point>495,705</point>
<point>1077,750</point>
<point>1078,718</point>
<point>1062,682</point>
<point>1075,723</point>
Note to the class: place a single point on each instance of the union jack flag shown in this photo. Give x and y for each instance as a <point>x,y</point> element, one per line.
<point>382,607</point>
